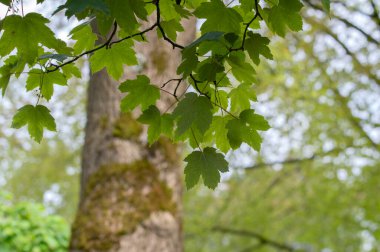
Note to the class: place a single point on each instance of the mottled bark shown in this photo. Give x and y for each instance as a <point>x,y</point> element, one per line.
<point>131,194</point>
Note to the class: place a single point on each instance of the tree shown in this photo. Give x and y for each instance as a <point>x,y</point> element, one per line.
<point>217,113</point>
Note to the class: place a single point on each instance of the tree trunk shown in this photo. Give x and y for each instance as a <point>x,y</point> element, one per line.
<point>130,194</point>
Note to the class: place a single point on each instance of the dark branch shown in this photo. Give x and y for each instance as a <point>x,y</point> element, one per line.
<point>355,60</point>
<point>293,160</point>
<point>347,23</point>
<point>109,41</point>
<point>262,239</point>
<point>257,14</point>
<point>158,22</point>
<point>195,81</point>
<point>107,44</point>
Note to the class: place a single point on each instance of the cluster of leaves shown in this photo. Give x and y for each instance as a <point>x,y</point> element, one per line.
<point>219,65</point>
<point>27,227</point>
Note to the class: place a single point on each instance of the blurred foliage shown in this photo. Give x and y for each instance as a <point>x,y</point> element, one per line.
<point>315,184</point>
<point>46,173</point>
<point>26,227</point>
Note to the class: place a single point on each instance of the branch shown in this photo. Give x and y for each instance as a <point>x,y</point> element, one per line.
<point>346,49</point>
<point>158,14</point>
<point>262,239</point>
<point>347,23</point>
<point>107,44</point>
<point>257,14</point>
<point>196,86</point>
<point>355,121</point>
<point>375,14</point>
<point>109,41</point>
<point>293,160</point>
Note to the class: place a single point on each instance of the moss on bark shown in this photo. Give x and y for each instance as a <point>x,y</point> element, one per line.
<point>125,195</point>
<point>126,127</point>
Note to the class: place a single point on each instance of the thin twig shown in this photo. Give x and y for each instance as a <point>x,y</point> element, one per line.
<point>257,14</point>
<point>262,239</point>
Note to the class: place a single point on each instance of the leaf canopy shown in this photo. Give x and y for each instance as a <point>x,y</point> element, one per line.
<point>219,67</point>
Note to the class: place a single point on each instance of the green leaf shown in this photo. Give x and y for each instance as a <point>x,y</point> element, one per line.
<point>241,69</point>
<point>208,164</point>
<point>125,12</point>
<point>171,28</point>
<point>326,5</point>
<point>6,2</point>
<point>231,38</point>
<point>218,17</point>
<point>285,14</point>
<point>168,10</point>
<point>210,68</point>
<point>45,81</point>
<point>85,38</point>
<point>152,117</point>
<point>247,5</point>
<point>114,59</point>
<point>272,2</point>
<point>25,34</point>
<point>218,133</point>
<point>104,23</point>
<point>37,118</point>
<point>193,111</point>
<point>256,46</point>
<point>71,70</point>
<point>141,92</point>
<point>6,72</point>
<point>189,62</point>
<point>244,129</point>
<point>241,97</point>
<point>55,56</point>
<point>167,125</point>
<point>75,7</point>
<point>208,36</point>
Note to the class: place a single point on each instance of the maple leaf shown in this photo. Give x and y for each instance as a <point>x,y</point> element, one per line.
<point>125,12</point>
<point>257,45</point>
<point>77,8</point>
<point>193,111</point>
<point>152,117</point>
<point>189,61</point>
<point>37,118</point>
<point>240,68</point>
<point>140,92</point>
<point>218,133</point>
<point>208,164</point>
<point>285,14</point>
<point>85,38</point>
<point>6,72</point>
<point>45,81</point>
<point>25,34</point>
<point>114,59</point>
<point>244,129</point>
<point>218,17</point>
<point>241,97</point>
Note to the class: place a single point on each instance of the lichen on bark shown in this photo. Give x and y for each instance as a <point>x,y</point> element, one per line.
<point>126,127</point>
<point>125,195</point>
